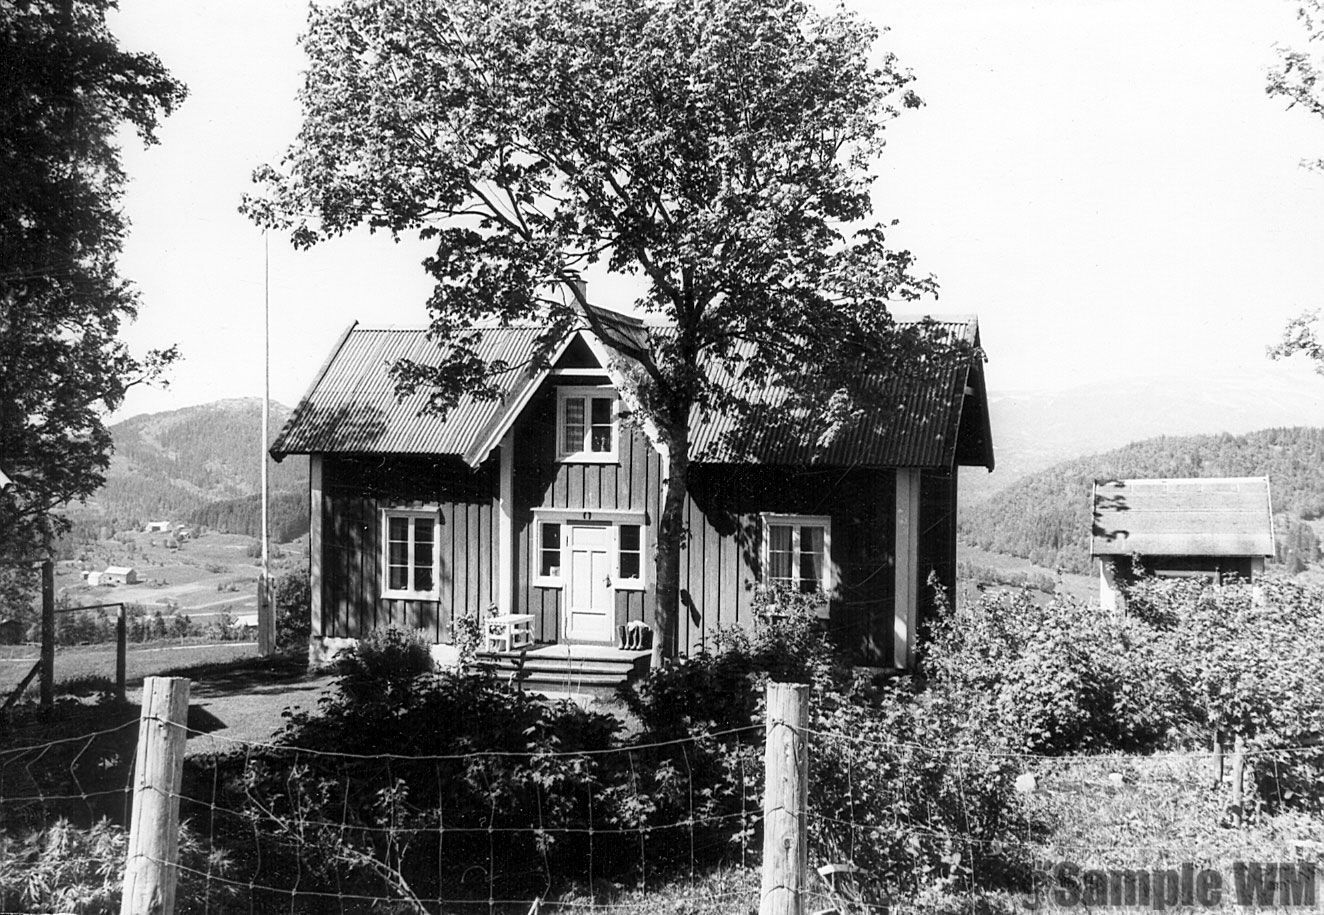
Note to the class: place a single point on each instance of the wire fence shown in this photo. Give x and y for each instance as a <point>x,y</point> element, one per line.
<point>892,825</point>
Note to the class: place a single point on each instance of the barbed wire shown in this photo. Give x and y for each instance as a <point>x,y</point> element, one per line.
<point>443,757</point>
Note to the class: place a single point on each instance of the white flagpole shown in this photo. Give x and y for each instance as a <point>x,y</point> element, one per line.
<point>266,623</point>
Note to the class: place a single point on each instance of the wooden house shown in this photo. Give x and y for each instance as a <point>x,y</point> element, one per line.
<point>543,505</point>
<point>1211,528</point>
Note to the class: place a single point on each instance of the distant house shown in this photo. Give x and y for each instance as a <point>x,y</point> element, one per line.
<point>157,527</point>
<point>115,575</point>
<point>544,503</point>
<point>1210,528</point>
<point>11,631</point>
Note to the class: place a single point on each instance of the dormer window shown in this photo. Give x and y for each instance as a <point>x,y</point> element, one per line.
<point>587,426</point>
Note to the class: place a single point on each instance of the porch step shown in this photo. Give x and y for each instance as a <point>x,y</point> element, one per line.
<point>564,670</point>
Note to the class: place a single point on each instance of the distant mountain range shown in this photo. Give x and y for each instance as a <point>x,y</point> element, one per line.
<point>1046,516</point>
<point>1033,430</point>
<point>173,465</point>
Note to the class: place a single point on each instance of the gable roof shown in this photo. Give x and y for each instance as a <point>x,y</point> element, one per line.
<point>1183,517</point>
<point>351,406</point>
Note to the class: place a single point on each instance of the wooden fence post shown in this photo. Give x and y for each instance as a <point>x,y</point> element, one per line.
<point>1238,773</point>
<point>785,800</point>
<point>48,633</point>
<point>150,872</point>
<point>121,655</point>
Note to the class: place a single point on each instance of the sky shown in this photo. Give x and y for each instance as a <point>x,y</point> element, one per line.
<point>1104,182</point>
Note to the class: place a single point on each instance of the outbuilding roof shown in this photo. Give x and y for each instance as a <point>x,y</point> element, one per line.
<point>1183,517</point>
<point>351,407</point>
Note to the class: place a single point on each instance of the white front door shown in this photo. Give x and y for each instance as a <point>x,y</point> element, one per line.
<point>589,611</point>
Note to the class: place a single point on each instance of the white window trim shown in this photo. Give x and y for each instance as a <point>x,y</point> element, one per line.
<point>564,392</point>
<point>795,521</point>
<point>411,513</point>
<point>614,520</point>
<point>630,584</point>
<point>540,580</point>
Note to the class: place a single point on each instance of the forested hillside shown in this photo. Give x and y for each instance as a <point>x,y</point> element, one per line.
<point>1045,517</point>
<point>288,519</point>
<point>171,466</point>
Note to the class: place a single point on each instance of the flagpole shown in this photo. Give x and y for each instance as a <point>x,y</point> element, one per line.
<point>266,623</point>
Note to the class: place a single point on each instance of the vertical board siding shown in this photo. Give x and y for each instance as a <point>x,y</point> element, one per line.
<point>357,491</point>
<point>541,482</point>
<point>719,563</point>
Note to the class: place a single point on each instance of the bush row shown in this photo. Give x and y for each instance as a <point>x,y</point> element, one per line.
<point>1190,663</point>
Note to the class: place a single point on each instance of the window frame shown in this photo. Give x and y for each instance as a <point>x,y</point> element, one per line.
<point>432,514</point>
<point>614,518</point>
<point>795,522</point>
<point>589,393</point>
<point>629,584</point>
<point>548,581</point>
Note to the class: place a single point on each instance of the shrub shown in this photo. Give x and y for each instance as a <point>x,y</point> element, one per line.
<point>382,667</point>
<point>1053,678</point>
<point>469,753</point>
<point>293,623</point>
<point>67,868</point>
<point>1244,660</point>
<point>886,793</point>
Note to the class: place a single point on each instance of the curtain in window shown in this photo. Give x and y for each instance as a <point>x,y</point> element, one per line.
<point>423,553</point>
<point>397,554</point>
<point>574,425</point>
<point>811,558</point>
<point>780,553</point>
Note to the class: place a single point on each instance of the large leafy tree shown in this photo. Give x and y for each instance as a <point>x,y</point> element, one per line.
<point>718,150</point>
<point>66,89</point>
<point>1299,79</point>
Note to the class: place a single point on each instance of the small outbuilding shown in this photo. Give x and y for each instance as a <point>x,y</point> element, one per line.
<point>157,527</point>
<point>1215,528</point>
<point>117,575</point>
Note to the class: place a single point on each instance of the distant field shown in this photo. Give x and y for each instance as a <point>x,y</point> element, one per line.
<point>204,576</point>
<point>1081,587</point>
<point>99,660</point>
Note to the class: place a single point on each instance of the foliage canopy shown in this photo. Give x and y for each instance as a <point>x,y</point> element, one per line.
<point>718,151</point>
<point>68,89</point>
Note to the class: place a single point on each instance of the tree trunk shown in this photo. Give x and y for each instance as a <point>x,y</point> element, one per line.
<point>670,537</point>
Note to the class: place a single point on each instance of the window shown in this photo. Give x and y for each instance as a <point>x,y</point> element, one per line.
<point>797,550</point>
<point>549,552</point>
<point>586,424</point>
<point>624,543</point>
<point>629,557</point>
<point>410,560</point>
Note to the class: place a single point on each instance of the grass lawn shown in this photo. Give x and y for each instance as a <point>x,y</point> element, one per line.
<point>82,664</point>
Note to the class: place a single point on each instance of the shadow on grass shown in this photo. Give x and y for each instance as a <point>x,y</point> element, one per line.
<point>251,676</point>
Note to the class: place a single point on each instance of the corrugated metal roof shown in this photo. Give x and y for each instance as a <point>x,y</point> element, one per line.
<point>1183,517</point>
<point>352,408</point>
<point>915,423</point>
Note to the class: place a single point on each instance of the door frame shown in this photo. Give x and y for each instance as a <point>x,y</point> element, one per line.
<point>609,539</point>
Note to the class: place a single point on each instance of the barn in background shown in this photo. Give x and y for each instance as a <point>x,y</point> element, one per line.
<point>1215,528</point>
